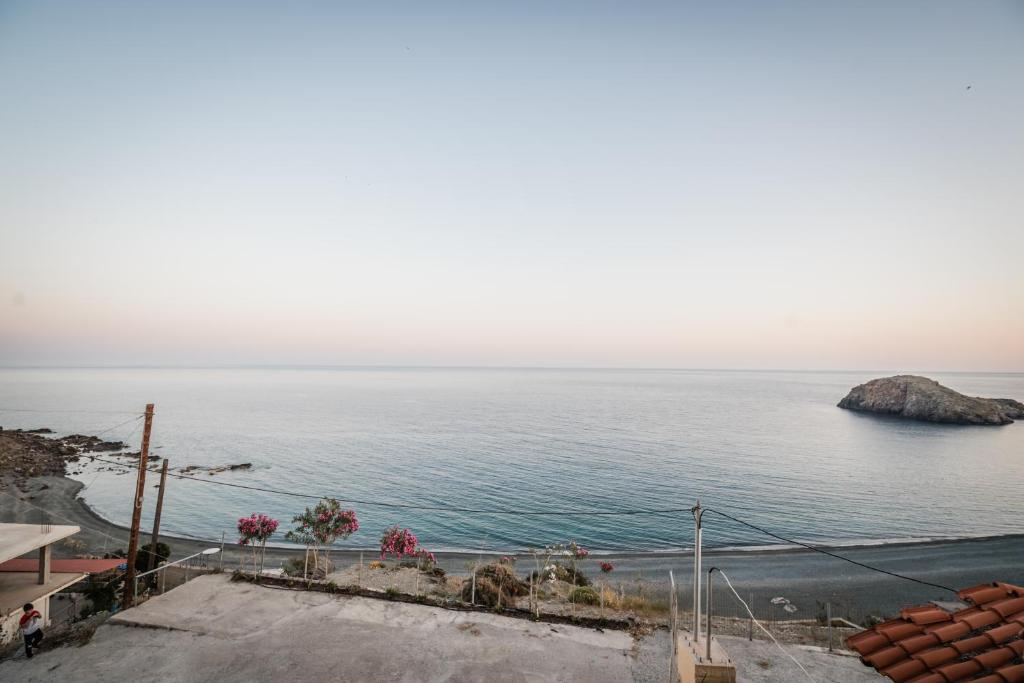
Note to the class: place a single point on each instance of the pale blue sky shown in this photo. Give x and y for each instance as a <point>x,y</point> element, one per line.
<point>628,184</point>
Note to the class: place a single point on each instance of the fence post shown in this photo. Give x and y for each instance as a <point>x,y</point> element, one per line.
<point>828,615</point>
<point>708,615</point>
<point>750,621</point>
<point>221,559</point>
<point>673,630</point>
<point>472,594</point>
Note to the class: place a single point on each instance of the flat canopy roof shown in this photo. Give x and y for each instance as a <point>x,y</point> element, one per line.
<point>18,539</point>
<point>17,588</point>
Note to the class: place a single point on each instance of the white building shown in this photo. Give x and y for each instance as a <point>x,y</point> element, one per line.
<point>19,587</point>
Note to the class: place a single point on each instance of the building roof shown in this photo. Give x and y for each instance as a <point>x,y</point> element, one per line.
<point>74,566</point>
<point>981,641</point>
<point>18,539</point>
<point>17,588</point>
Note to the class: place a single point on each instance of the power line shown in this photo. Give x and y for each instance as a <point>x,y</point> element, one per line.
<point>406,506</point>
<point>53,412</point>
<point>830,554</point>
<point>110,429</point>
<point>754,619</point>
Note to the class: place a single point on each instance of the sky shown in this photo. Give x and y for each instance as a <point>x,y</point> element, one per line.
<point>802,185</point>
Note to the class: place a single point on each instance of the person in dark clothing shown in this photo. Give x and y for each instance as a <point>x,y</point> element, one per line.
<point>31,624</point>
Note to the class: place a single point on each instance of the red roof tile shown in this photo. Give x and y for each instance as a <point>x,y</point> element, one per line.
<point>983,643</point>
<point>60,566</point>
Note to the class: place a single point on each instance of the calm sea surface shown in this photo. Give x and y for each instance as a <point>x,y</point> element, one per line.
<point>769,447</point>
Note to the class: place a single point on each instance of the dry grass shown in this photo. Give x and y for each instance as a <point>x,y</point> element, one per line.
<point>633,603</point>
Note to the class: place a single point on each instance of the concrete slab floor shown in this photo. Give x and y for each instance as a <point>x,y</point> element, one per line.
<point>761,661</point>
<point>213,630</point>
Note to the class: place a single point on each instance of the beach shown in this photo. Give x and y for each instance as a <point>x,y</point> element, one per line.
<point>803,577</point>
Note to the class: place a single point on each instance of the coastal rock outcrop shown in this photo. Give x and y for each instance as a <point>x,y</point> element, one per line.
<point>920,398</point>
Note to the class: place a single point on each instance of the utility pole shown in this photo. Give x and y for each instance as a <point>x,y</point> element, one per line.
<point>156,519</point>
<point>128,598</point>
<point>697,513</point>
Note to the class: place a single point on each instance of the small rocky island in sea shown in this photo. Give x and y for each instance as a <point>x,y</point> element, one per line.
<point>920,398</point>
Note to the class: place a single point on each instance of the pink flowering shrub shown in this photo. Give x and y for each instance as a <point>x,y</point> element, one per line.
<point>607,567</point>
<point>256,528</point>
<point>399,543</point>
<point>318,528</point>
<point>254,531</point>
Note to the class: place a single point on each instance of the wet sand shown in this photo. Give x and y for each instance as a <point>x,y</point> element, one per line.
<point>804,577</point>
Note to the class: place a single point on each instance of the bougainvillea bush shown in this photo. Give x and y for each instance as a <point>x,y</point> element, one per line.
<point>318,529</point>
<point>254,531</point>
<point>399,543</point>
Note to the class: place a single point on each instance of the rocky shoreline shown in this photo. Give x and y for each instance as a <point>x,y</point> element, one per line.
<point>28,453</point>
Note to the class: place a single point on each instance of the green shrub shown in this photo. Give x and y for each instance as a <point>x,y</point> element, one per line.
<point>584,595</point>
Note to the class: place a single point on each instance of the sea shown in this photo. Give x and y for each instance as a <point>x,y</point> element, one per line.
<point>467,458</point>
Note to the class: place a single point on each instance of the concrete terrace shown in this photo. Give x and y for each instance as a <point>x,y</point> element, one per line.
<point>214,630</point>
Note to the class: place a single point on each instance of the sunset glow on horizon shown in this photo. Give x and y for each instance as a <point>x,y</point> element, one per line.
<point>800,185</point>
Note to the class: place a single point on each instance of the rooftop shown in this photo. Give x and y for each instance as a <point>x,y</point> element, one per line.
<point>17,588</point>
<point>977,641</point>
<point>213,629</point>
<point>19,539</point>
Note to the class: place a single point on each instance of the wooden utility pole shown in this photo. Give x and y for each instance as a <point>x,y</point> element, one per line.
<point>140,488</point>
<point>156,519</point>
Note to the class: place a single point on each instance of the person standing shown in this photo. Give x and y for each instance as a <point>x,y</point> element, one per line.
<point>31,628</point>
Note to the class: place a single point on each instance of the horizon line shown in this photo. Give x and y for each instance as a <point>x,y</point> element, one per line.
<point>379,366</point>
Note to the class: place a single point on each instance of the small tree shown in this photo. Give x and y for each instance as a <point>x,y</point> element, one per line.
<point>254,531</point>
<point>320,527</point>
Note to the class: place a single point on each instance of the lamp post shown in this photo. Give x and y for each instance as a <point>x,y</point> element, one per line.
<point>698,512</point>
<point>708,648</point>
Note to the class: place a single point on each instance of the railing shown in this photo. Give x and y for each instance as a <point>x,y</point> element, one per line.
<point>176,573</point>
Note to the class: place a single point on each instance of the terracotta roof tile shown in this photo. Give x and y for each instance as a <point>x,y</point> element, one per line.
<point>1007,607</point>
<point>936,656</point>
<point>905,670</point>
<point>980,619</point>
<point>979,595</point>
<point>948,632</point>
<point>983,643</point>
<point>971,644</point>
<point>928,678</point>
<point>1012,674</point>
<point>927,614</point>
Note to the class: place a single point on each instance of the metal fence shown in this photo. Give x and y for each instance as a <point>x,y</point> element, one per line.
<point>170,575</point>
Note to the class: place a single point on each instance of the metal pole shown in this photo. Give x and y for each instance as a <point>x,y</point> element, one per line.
<point>222,551</point>
<point>750,621</point>
<point>156,517</point>
<point>697,512</point>
<point>140,489</point>
<point>708,616</point>
<point>828,615</point>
